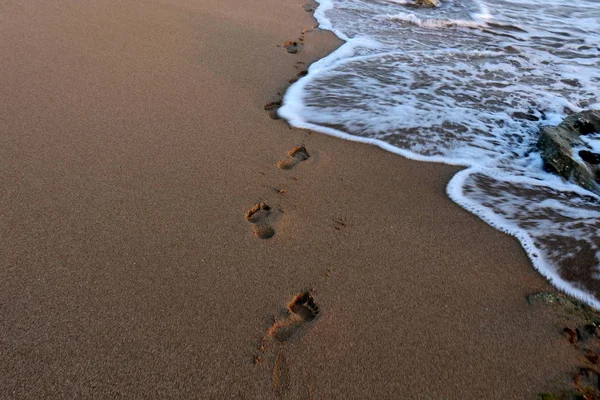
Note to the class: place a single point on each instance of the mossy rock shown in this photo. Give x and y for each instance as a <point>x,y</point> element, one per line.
<point>565,304</point>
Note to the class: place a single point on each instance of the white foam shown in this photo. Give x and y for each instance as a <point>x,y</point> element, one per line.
<point>541,259</point>
<point>433,22</point>
<point>404,2</point>
<point>444,84</point>
<point>592,142</point>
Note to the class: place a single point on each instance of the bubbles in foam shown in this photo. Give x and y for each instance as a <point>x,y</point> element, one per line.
<point>471,83</point>
<point>557,226</point>
<point>433,22</point>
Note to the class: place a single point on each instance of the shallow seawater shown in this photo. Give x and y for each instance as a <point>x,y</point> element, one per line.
<point>470,83</point>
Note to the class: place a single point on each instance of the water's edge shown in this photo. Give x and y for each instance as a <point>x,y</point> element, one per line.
<point>294,100</point>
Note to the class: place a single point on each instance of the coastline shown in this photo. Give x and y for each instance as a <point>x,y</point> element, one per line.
<point>555,269</point>
<point>134,142</point>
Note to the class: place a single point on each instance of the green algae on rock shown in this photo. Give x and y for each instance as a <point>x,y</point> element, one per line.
<point>565,304</point>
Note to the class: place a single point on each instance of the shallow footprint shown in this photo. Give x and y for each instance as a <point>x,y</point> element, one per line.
<point>296,155</point>
<point>292,47</point>
<point>308,7</point>
<point>300,310</point>
<point>587,381</point>
<point>258,216</point>
<point>272,107</point>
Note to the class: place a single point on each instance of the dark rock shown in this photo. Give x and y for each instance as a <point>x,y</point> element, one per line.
<point>528,117</point>
<point>556,143</point>
<point>585,126</point>
<point>583,334</point>
<point>589,157</point>
<point>571,82</point>
<point>591,330</point>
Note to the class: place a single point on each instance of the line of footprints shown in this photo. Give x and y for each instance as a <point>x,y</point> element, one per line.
<point>299,311</point>
<point>261,216</point>
<point>302,308</point>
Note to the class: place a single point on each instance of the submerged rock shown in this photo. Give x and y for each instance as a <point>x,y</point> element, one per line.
<point>427,3</point>
<point>556,145</point>
<point>522,115</point>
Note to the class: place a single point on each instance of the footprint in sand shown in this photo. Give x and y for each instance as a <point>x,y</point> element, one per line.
<point>258,216</point>
<point>309,29</point>
<point>295,156</point>
<point>298,76</point>
<point>587,381</point>
<point>308,7</point>
<point>272,107</point>
<point>300,310</point>
<point>292,47</point>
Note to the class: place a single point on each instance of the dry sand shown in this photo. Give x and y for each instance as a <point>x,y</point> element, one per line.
<point>133,140</point>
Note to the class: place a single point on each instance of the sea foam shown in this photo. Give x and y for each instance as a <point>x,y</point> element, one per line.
<point>451,84</point>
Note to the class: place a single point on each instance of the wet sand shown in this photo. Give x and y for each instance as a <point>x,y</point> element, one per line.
<point>133,141</point>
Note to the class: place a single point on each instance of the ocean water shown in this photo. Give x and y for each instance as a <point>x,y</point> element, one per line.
<point>470,83</point>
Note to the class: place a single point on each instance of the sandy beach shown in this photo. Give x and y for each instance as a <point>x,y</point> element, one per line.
<point>133,140</point>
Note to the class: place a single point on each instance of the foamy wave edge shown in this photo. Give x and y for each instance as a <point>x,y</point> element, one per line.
<point>433,22</point>
<point>294,100</point>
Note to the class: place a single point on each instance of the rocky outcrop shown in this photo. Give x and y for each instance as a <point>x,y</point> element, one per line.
<point>556,144</point>
<point>427,3</point>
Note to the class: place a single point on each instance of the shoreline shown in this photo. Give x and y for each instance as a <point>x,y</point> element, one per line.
<point>291,110</point>
<point>135,142</point>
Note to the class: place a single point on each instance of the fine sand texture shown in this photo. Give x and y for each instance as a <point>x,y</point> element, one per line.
<point>163,237</point>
